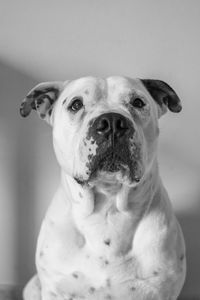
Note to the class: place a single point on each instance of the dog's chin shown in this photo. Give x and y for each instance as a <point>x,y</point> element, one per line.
<point>113,168</point>
<point>111,171</point>
<point>118,176</point>
<point>110,178</point>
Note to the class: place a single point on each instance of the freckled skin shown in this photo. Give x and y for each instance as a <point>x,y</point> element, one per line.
<point>92,290</point>
<point>107,234</point>
<point>107,242</point>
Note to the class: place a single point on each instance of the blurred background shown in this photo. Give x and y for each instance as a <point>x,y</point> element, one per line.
<point>57,40</point>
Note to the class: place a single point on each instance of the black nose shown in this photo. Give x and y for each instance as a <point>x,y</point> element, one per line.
<point>111,124</point>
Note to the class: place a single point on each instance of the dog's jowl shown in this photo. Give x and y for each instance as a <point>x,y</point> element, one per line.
<point>110,231</point>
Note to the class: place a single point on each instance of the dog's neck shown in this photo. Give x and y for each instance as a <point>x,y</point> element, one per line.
<point>101,197</point>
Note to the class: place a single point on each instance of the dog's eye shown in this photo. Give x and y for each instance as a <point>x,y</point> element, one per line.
<point>137,102</point>
<point>76,104</point>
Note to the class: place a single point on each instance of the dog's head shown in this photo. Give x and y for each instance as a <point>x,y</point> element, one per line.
<point>103,129</point>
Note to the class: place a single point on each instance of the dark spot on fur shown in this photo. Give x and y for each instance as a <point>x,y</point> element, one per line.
<point>73,295</point>
<point>42,116</point>
<point>137,179</point>
<point>64,101</point>
<point>38,284</point>
<point>79,181</point>
<point>182,257</point>
<point>132,288</point>
<point>107,242</point>
<point>92,142</point>
<point>80,240</point>
<point>75,275</point>
<point>50,111</point>
<point>91,290</point>
<point>108,283</point>
<point>108,297</point>
<point>89,149</point>
<point>51,223</point>
<point>41,253</point>
<point>54,295</point>
<point>155,273</point>
<point>43,269</point>
<point>80,195</point>
<point>106,262</point>
<point>86,92</point>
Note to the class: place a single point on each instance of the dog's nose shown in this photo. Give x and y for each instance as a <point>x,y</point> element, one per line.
<point>111,124</point>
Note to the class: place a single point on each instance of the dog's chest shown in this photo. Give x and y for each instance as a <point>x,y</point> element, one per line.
<point>92,255</point>
<point>99,245</point>
<point>108,233</point>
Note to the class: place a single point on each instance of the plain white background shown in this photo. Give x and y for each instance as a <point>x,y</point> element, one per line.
<point>65,39</point>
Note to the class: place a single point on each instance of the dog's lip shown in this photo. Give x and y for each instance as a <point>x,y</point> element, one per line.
<point>109,163</point>
<point>119,160</point>
<point>110,160</point>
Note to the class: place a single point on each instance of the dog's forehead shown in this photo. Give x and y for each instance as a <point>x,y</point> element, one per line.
<point>84,85</point>
<point>118,85</point>
<point>102,87</point>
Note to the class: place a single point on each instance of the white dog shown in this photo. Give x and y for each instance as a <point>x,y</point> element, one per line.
<point>110,232</point>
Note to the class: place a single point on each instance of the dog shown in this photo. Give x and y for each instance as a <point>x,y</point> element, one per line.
<point>110,231</point>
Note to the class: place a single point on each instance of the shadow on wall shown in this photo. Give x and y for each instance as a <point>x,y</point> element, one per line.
<point>17,159</point>
<point>27,159</point>
<point>191,225</point>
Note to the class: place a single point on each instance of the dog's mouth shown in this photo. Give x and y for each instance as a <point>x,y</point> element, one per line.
<point>109,162</point>
<point>117,160</point>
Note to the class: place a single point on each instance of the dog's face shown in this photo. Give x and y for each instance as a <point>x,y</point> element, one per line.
<point>103,129</point>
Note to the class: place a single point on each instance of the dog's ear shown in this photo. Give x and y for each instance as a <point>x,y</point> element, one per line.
<point>163,94</point>
<point>42,98</point>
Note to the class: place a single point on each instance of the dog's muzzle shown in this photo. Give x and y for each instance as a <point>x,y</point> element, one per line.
<point>113,134</point>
